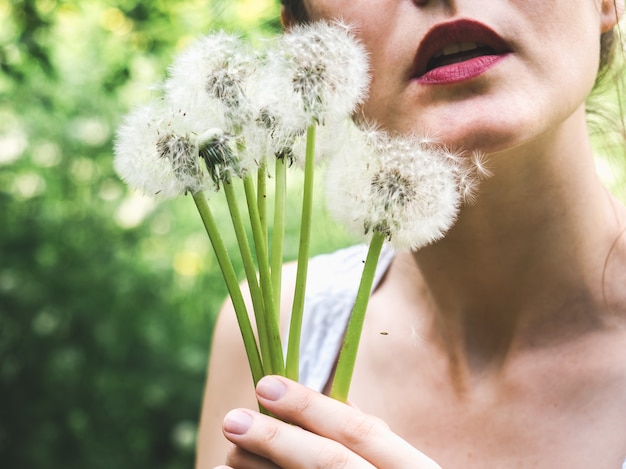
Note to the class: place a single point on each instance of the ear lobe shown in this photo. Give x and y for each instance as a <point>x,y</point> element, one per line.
<point>611,13</point>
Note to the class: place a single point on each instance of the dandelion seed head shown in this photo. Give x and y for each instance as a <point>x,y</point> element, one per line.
<point>219,152</point>
<point>156,154</point>
<point>266,120</point>
<point>226,85</point>
<point>182,154</point>
<point>391,184</point>
<point>324,66</point>
<point>265,136</point>
<point>394,188</point>
<point>211,77</point>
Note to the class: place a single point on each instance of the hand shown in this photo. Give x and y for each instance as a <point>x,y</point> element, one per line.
<point>325,434</point>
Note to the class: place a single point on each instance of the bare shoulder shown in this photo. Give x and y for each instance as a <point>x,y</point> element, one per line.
<point>229,383</point>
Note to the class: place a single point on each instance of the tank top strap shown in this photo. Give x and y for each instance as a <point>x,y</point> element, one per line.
<point>332,284</point>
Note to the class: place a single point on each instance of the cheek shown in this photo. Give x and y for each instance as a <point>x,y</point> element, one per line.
<point>358,13</point>
<point>381,107</point>
<point>340,9</point>
<point>392,54</point>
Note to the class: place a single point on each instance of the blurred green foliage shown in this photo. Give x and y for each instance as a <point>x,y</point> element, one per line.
<point>106,300</point>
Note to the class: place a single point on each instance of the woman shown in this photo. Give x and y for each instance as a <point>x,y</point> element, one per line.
<point>504,344</point>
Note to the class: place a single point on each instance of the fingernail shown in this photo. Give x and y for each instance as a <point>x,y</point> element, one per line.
<point>237,422</point>
<point>271,388</point>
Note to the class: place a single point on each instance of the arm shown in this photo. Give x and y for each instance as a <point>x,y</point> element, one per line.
<point>326,433</point>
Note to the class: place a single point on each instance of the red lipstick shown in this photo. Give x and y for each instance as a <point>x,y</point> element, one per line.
<point>457,51</point>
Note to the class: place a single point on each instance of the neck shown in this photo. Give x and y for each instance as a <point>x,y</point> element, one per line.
<point>525,265</point>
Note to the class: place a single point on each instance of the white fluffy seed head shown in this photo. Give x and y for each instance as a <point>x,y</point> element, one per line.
<point>322,69</point>
<point>156,154</point>
<point>222,156</point>
<point>394,185</point>
<point>269,135</point>
<point>210,78</point>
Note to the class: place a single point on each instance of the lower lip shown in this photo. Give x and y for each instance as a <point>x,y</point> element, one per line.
<point>461,71</point>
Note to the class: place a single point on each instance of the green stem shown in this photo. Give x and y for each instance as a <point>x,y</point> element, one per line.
<point>276,365</point>
<point>295,326</point>
<point>232,284</point>
<point>278,230</point>
<point>251,277</point>
<point>347,356</point>
<point>262,195</point>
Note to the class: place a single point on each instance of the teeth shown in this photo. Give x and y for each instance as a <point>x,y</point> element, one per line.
<point>456,48</point>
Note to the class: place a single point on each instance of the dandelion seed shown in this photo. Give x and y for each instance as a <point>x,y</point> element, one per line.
<point>468,184</point>
<point>479,161</point>
<point>471,171</point>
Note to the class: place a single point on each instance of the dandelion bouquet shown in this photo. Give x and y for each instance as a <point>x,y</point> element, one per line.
<point>233,116</point>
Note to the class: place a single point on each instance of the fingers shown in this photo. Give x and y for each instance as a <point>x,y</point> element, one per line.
<point>366,436</point>
<point>328,434</point>
<point>267,443</point>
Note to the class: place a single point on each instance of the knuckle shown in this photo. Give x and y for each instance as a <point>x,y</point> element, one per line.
<point>270,436</point>
<point>332,458</point>
<point>303,404</point>
<point>358,429</point>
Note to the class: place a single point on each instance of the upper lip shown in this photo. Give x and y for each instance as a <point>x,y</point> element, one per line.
<point>455,32</point>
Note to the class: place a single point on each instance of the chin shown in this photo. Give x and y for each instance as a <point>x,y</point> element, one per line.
<point>484,139</point>
<point>482,142</point>
<point>468,128</point>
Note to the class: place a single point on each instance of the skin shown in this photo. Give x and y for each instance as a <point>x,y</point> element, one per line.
<point>506,339</point>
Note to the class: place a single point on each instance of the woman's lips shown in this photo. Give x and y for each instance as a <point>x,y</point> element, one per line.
<point>460,71</point>
<point>457,51</point>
